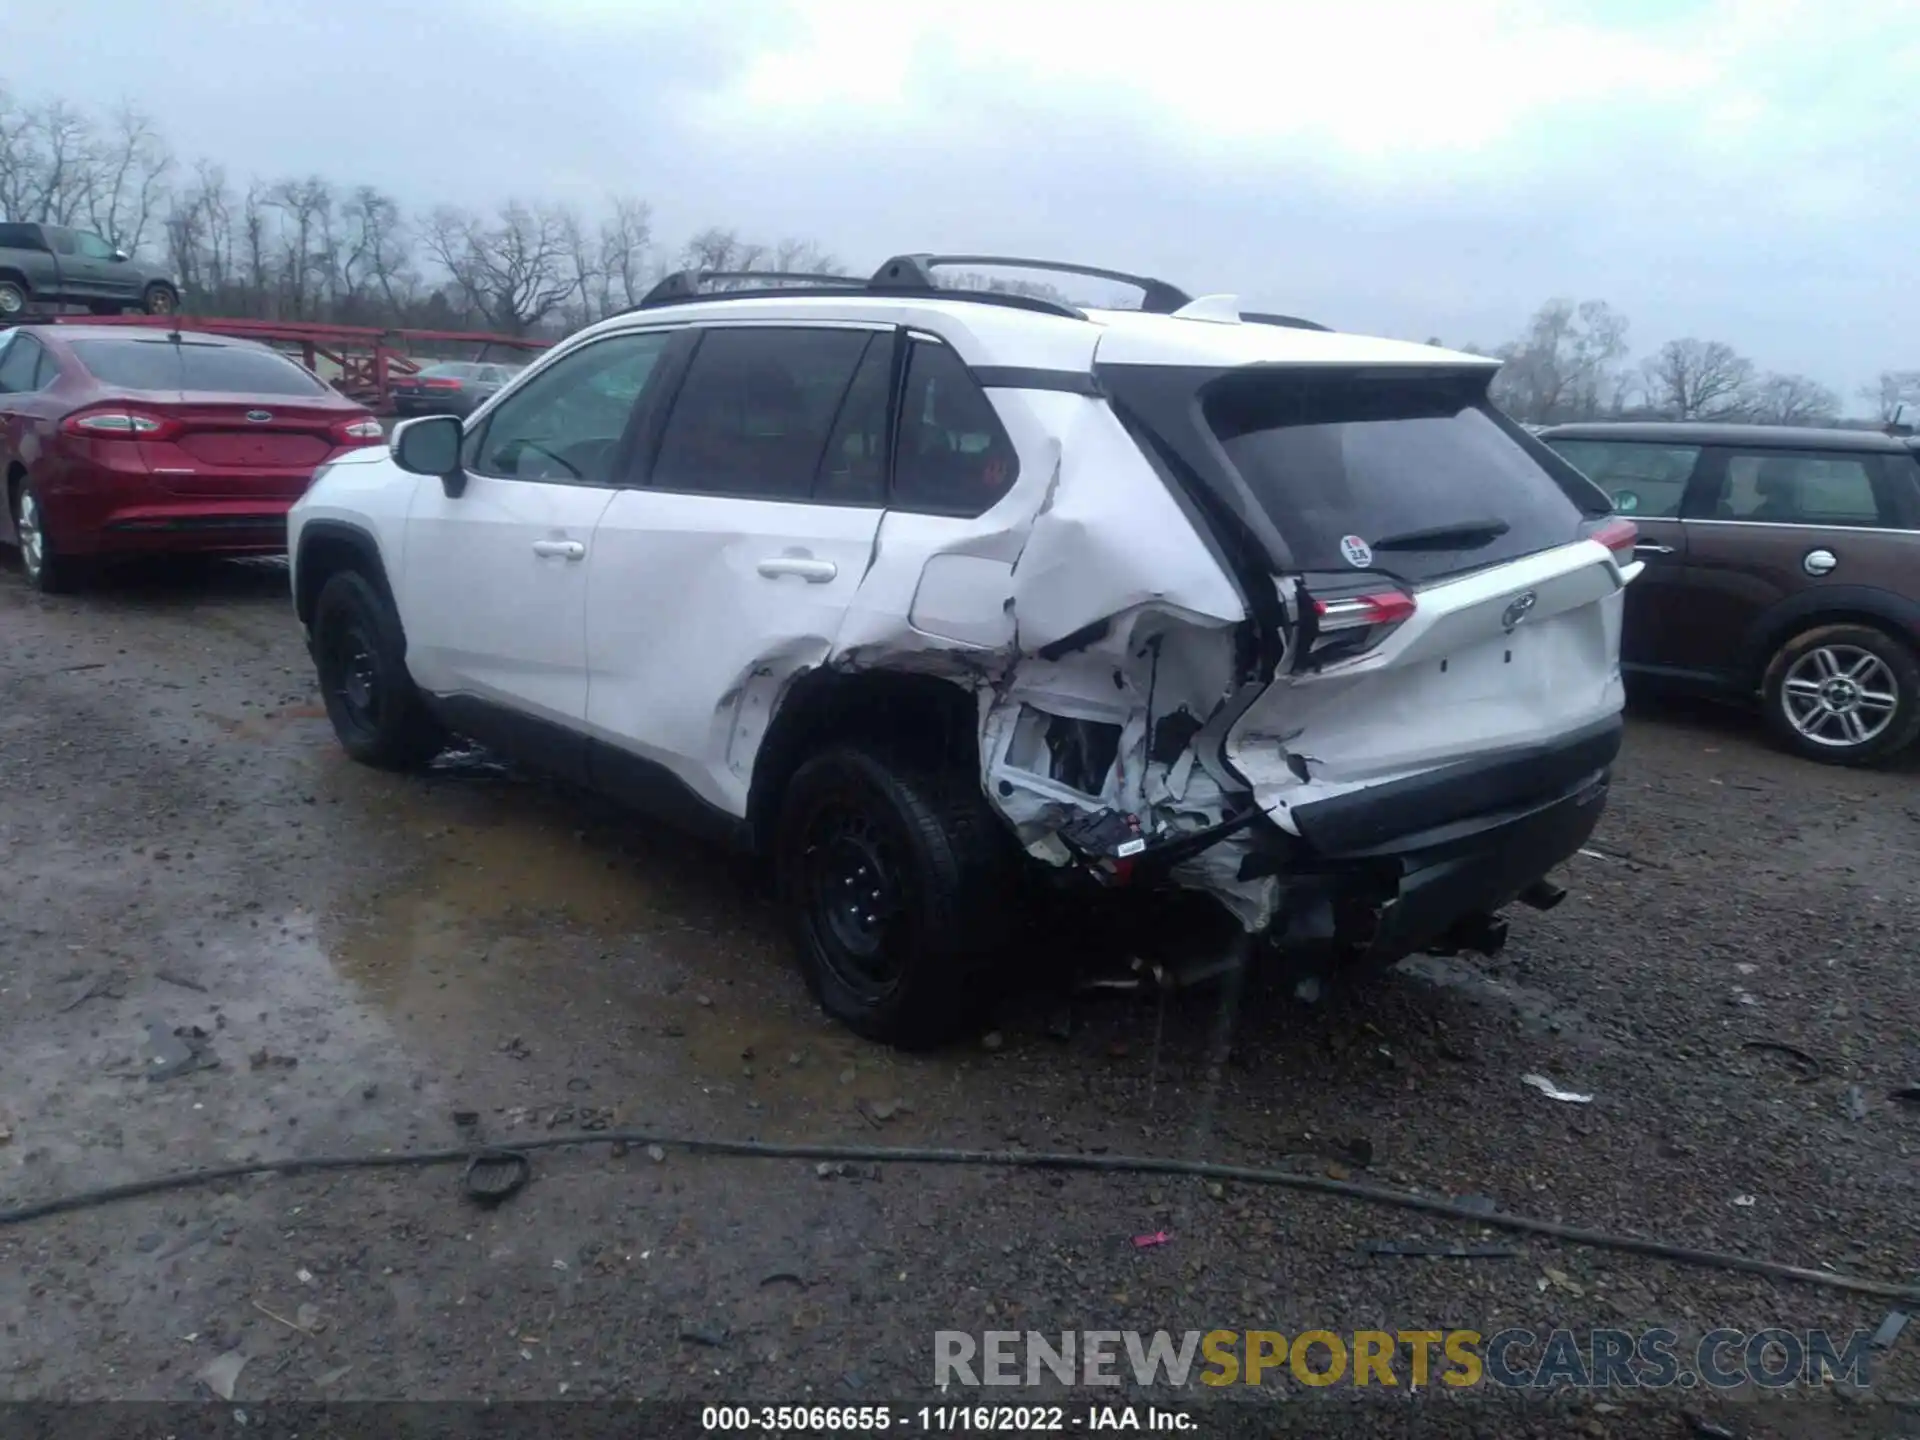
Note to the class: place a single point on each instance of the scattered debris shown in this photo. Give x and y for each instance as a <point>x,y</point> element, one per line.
<point>174,977</point>
<point>1479,1204</point>
<point>175,1052</point>
<point>264,1059</point>
<point>884,1109</point>
<point>713,1337</point>
<point>1560,1280</point>
<point>332,1377</point>
<point>1147,1242</point>
<point>276,1316</point>
<point>222,1373</point>
<point>992,1040</point>
<point>1906,1095</point>
<point>466,1119</point>
<point>1438,1249</point>
<point>1553,1092</point>
<point>1853,1102</point>
<point>303,1275</point>
<point>493,1175</point>
<point>101,984</point>
<point>1793,1052</point>
<point>514,1048</point>
<point>1705,1429</point>
<point>1889,1330</point>
<point>656,1154</point>
<point>6,1134</point>
<point>848,1075</point>
<point>1745,1202</point>
<point>784,1277</point>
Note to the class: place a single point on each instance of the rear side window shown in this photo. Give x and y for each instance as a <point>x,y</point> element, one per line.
<point>21,237</point>
<point>164,365</point>
<point>954,456</point>
<point>753,415</point>
<point>1640,478</point>
<point>1789,488</point>
<point>21,366</point>
<point>1418,472</point>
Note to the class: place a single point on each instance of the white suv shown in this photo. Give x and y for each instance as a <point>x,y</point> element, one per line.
<point>925,593</point>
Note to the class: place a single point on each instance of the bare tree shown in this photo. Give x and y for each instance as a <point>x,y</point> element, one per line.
<point>1564,366</point>
<point>131,165</point>
<point>1793,400</point>
<point>1699,380</point>
<point>375,254</point>
<point>626,235</point>
<point>1893,390</point>
<point>512,273</point>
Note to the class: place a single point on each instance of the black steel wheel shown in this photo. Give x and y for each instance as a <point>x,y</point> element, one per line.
<point>360,658</point>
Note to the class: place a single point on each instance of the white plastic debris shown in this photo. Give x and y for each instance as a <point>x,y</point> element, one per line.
<point>222,1373</point>
<point>1553,1092</point>
<point>1744,1201</point>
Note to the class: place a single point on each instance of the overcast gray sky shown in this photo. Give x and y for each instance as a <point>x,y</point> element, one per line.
<point>1732,169</point>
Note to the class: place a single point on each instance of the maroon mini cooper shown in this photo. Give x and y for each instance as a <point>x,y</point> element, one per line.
<point>1780,563</point>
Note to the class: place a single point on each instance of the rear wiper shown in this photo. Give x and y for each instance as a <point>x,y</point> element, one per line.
<point>1467,535</point>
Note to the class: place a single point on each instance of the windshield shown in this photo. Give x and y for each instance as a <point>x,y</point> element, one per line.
<point>1422,470</point>
<point>165,365</point>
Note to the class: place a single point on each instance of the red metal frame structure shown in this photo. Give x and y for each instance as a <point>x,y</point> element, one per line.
<point>368,357</point>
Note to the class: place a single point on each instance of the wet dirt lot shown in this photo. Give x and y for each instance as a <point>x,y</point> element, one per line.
<point>335,960</point>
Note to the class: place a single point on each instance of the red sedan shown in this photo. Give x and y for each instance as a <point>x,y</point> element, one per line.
<point>116,441</point>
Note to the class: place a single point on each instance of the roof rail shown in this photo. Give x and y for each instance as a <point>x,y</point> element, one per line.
<point>915,273</point>
<point>1292,322</point>
<point>684,285</point>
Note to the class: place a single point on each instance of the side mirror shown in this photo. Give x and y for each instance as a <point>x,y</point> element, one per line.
<point>431,446</point>
<point>121,255</point>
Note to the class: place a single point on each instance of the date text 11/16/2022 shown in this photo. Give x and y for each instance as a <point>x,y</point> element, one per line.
<point>943,1419</point>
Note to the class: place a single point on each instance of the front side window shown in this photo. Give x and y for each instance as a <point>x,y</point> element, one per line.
<point>565,424</point>
<point>754,413</point>
<point>59,240</point>
<point>1800,488</point>
<point>1640,479</point>
<point>89,246</point>
<point>954,457</point>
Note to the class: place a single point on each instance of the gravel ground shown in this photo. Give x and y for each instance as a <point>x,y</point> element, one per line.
<point>365,957</point>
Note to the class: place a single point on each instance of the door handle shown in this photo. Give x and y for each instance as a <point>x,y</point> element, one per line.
<point>565,549</point>
<point>814,572</point>
<point>1646,549</point>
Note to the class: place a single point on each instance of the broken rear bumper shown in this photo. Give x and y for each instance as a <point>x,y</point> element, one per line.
<point>1438,889</point>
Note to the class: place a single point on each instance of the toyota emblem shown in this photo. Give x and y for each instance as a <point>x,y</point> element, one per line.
<point>259,417</point>
<point>1518,610</point>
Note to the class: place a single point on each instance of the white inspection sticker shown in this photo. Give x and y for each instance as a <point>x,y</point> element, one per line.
<point>1358,553</point>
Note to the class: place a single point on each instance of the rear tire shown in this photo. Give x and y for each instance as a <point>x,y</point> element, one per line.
<point>47,570</point>
<point>13,300</point>
<point>359,654</point>
<point>898,884</point>
<point>160,300</point>
<point>1843,695</point>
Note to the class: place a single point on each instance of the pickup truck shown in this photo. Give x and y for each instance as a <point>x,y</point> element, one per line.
<point>55,265</point>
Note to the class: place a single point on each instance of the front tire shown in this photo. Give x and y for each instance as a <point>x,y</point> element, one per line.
<point>47,570</point>
<point>1843,695</point>
<point>897,884</point>
<point>360,656</point>
<point>160,300</point>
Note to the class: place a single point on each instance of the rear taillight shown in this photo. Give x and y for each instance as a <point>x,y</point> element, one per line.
<point>438,384</point>
<point>1619,536</point>
<point>364,431</point>
<point>1351,624</point>
<point>119,424</point>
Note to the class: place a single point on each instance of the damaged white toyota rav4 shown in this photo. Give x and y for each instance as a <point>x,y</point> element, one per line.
<point>927,593</point>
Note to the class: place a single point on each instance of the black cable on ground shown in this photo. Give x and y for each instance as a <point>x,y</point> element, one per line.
<point>1003,1159</point>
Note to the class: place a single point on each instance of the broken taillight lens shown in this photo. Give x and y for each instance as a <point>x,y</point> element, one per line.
<point>1350,624</point>
<point>1619,536</point>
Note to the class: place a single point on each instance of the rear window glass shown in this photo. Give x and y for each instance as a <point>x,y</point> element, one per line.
<point>162,365</point>
<point>1419,472</point>
<point>454,370</point>
<point>1638,477</point>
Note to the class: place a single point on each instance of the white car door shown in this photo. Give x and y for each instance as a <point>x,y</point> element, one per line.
<point>727,566</point>
<point>494,575</point>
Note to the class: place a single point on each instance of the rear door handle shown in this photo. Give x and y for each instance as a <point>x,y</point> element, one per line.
<point>814,572</point>
<point>1645,549</point>
<point>565,549</point>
